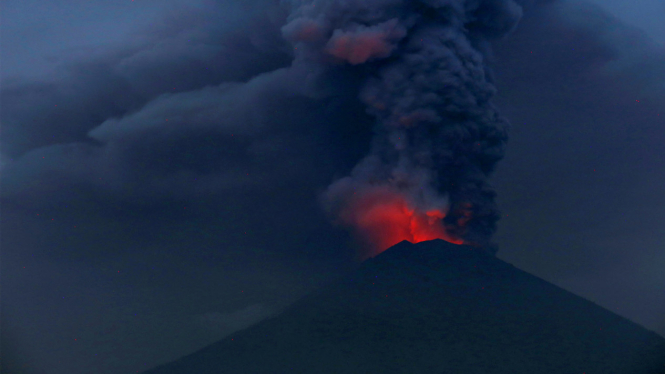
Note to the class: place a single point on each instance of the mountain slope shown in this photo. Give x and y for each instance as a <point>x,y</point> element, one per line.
<point>435,307</point>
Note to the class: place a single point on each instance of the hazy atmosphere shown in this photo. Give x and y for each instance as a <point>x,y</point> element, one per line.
<point>175,171</point>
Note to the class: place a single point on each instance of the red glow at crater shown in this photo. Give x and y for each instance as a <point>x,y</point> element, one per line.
<point>383,218</point>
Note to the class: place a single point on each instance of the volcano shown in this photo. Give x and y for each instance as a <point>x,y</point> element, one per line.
<point>435,307</point>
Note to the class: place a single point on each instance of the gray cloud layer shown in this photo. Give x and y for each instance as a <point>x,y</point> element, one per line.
<point>198,108</point>
<point>178,116</point>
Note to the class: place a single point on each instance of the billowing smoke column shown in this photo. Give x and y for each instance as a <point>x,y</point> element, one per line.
<point>437,137</point>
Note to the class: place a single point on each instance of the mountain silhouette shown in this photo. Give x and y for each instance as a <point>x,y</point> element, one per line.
<point>435,307</point>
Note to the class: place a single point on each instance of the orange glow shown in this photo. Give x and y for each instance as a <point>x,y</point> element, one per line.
<point>384,218</point>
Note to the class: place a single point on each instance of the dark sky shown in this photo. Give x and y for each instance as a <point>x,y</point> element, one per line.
<point>162,167</point>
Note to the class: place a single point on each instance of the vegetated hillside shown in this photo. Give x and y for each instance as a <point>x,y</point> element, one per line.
<point>435,307</point>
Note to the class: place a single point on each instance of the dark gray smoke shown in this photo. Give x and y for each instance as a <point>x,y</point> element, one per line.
<point>437,136</point>
<point>217,110</point>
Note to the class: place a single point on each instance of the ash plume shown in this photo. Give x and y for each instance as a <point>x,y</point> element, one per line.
<point>437,136</point>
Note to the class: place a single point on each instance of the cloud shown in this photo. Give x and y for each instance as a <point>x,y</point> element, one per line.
<point>233,136</point>
<point>196,106</point>
<point>633,53</point>
<point>361,43</point>
<point>246,117</point>
<point>424,78</point>
<point>189,49</point>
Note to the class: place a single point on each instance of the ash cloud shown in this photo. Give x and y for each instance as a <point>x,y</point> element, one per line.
<point>186,50</point>
<point>215,100</point>
<point>195,107</point>
<point>437,137</point>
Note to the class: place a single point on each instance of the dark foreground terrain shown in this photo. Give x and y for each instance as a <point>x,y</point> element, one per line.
<point>435,307</point>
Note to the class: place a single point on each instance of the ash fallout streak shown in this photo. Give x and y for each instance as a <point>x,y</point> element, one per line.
<point>437,137</point>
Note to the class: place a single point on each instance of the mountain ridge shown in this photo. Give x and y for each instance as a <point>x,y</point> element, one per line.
<point>435,307</point>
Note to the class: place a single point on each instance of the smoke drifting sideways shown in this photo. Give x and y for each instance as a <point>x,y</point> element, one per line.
<point>437,137</point>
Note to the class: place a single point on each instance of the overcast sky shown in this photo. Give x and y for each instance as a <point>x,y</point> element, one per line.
<point>162,166</point>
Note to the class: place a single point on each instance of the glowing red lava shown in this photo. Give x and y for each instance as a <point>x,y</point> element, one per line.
<point>384,218</point>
